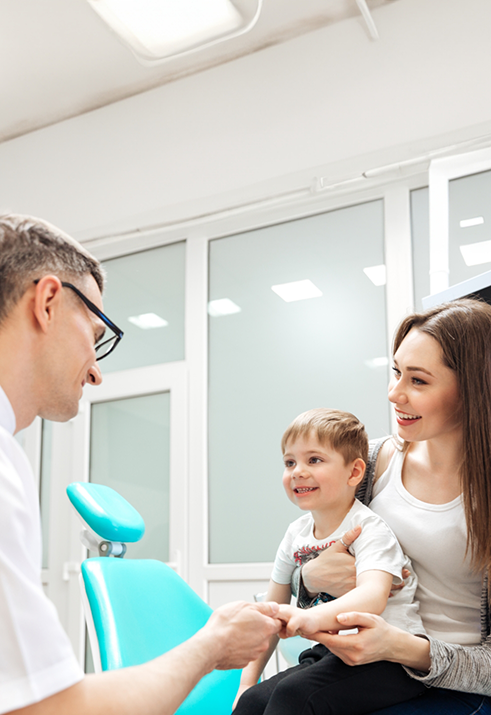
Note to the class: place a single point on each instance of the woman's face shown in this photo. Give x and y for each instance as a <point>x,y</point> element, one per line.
<point>423,390</point>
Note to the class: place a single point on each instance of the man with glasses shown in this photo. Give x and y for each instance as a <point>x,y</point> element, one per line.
<point>52,333</point>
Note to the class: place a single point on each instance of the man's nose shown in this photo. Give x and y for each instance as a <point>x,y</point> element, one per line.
<point>94,375</point>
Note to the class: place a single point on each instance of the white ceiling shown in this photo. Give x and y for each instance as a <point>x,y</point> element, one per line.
<point>58,59</point>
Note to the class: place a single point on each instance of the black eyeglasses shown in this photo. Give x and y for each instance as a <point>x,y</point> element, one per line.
<point>102,350</point>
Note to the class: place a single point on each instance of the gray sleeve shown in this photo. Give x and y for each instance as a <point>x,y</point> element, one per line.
<point>457,667</point>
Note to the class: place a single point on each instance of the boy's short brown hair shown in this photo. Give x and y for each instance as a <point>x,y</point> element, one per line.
<point>341,430</point>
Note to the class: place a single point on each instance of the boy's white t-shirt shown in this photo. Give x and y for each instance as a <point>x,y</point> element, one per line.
<point>375,549</point>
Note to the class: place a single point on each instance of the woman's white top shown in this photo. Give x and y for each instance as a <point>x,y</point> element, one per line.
<point>36,658</point>
<point>434,537</point>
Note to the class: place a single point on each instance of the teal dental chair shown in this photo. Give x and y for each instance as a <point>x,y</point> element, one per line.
<point>138,609</point>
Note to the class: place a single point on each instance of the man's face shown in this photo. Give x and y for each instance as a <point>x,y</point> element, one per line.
<point>70,362</point>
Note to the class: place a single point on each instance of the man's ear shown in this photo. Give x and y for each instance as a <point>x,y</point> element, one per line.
<point>47,295</point>
<point>357,472</point>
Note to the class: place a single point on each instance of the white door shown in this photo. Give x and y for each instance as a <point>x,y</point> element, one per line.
<point>130,434</point>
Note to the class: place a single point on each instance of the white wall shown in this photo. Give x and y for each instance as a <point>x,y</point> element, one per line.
<point>332,101</point>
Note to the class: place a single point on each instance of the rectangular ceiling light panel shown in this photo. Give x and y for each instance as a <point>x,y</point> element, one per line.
<point>147,321</point>
<point>297,290</point>
<point>476,253</point>
<point>222,306</point>
<point>377,274</point>
<point>155,29</point>
<point>467,222</point>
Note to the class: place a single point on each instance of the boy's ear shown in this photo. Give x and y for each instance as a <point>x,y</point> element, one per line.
<point>357,472</point>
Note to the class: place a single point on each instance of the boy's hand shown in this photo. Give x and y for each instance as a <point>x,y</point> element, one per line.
<point>393,590</point>
<point>298,621</point>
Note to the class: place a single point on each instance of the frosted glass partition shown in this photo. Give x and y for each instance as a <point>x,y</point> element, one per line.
<point>275,359</point>
<point>469,224</point>
<point>129,451</point>
<point>420,235</point>
<point>150,282</point>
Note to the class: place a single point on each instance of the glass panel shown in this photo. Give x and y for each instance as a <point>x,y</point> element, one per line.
<point>89,660</point>
<point>44,487</point>
<point>420,235</point>
<point>469,224</point>
<point>275,359</point>
<point>130,443</point>
<point>151,282</point>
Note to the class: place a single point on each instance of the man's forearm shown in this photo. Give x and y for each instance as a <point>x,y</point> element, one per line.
<point>155,688</point>
<point>235,634</point>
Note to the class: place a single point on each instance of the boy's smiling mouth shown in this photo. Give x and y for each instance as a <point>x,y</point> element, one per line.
<point>304,490</point>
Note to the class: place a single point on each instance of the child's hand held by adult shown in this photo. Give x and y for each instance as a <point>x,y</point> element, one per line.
<point>242,632</point>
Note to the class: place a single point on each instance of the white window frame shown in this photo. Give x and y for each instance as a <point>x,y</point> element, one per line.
<point>441,172</point>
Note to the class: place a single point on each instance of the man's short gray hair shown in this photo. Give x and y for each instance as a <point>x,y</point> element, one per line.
<point>30,249</point>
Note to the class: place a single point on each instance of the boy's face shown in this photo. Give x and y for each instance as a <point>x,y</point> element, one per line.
<point>316,477</point>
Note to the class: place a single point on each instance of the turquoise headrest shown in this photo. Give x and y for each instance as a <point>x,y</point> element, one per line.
<point>106,512</point>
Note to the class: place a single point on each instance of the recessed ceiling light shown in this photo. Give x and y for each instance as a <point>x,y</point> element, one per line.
<point>377,362</point>
<point>471,222</point>
<point>155,29</point>
<point>222,306</point>
<point>146,321</point>
<point>377,274</point>
<point>297,290</point>
<point>476,253</point>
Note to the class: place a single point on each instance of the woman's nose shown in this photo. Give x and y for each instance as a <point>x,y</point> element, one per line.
<point>396,392</point>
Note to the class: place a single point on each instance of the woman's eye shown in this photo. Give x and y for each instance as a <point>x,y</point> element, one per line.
<point>396,372</point>
<point>417,381</point>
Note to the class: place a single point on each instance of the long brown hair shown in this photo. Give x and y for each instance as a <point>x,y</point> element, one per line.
<point>463,330</point>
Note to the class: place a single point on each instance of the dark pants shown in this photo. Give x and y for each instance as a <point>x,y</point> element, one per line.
<point>439,701</point>
<point>323,685</point>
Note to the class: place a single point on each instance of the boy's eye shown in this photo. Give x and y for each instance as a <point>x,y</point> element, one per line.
<point>289,463</point>
<point>315,460</point>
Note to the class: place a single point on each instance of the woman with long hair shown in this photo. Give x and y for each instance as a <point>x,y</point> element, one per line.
<point>432,484</point>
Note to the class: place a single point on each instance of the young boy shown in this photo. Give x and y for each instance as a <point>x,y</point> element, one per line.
<point>325,453</point>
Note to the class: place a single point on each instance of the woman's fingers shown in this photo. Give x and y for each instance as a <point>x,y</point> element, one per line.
<point>348,537</point>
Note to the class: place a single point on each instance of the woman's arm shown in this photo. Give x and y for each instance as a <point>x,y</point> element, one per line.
<point>433,662</point>
<point>333,571</point>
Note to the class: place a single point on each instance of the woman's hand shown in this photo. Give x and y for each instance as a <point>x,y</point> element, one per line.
<point>333,571</point>
<point>376,640</point>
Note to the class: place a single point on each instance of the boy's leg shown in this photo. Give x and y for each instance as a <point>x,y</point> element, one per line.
<point>329,687</point>
<point>254,700</point>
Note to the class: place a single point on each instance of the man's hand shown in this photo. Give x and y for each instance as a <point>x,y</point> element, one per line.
<point>240,632</point>
<point>333,571</point>
<point>298,621</point>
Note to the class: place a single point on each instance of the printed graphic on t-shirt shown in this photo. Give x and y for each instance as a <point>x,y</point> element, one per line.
<point>306,553</point>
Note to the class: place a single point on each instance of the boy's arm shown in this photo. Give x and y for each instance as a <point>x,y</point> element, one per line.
<point>280,593</point>
<point>369,596</point>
